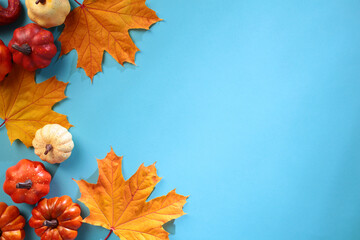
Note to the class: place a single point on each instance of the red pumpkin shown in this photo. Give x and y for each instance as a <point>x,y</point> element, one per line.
<point>27,182</point>
<point>32,47</point>
<point>5,60</point>
<point>11,223</point>
<point>56,218</point>
<point>11,13</point>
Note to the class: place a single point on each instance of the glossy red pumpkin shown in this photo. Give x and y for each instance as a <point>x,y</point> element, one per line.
<point>27,182</point>
<point>11,223</point>
<point>56,219</point>
<point>5,60</point>
<point>11,13</point>
<point>32,47</point>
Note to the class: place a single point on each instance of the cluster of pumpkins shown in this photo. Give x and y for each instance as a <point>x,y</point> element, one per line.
<point>45,13</point>
<point>28,182</point>
<point>32,47</point>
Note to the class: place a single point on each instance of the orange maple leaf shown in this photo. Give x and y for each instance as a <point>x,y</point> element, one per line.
<point>26,106</point>
<point>97,26</point>
<point>121,206</point>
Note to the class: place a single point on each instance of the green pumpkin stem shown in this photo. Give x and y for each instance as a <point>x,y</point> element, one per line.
<point>48,148</point>
<point>24,49</point>
<point>51,223</point>
<point>24,185</point>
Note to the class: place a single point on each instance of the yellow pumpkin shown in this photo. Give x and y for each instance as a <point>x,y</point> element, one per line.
<point>48,13</point>
<point>53,143</point>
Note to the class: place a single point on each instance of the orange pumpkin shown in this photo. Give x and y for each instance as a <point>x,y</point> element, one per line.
<point>11,223</point>
<point>27,182</point>
<point>56,218</point>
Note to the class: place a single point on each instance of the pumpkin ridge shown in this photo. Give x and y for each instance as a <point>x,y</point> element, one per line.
<point>63,151</point>
<point>13,223</point>
<point>12,214</point>
<point>10,224</point>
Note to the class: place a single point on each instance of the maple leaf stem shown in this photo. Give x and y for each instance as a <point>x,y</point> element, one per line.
<point>3,123</point>
<point>109,234</point>
<point>78,2</point>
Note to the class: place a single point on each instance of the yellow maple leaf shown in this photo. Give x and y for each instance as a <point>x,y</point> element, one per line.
<point>26,106</point>
<point>121,206</point>
<point>96,26</point>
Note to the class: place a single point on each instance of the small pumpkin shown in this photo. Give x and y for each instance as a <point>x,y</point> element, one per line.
<point>32,47</point>
<point>56,218</point>
<point>5,60</point>
<point>48,13</point>
<point>11,13</point>
<point>27,182</point>
<point>11,223</point>
<point>53,143</point>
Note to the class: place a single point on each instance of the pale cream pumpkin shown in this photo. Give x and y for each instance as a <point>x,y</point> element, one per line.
<point>48,13</point>
<point>53,143</point>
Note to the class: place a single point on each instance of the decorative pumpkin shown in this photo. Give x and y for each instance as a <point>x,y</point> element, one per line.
<point>11,223</point>
<point>5,60</point>
<point>48,13</point>
<point>56,218</point>
<point>32,47</point>
<point>11,13</point>
<point>27,182</point>
<point>53,143</point>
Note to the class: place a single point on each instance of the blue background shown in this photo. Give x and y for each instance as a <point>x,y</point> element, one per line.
<point>251,107</point>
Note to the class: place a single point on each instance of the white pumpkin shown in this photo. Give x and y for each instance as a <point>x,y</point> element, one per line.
<point>48,13</point>
<point>53,143</point>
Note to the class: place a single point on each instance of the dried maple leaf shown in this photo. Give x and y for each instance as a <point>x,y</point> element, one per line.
<point>26,106</point>
<point>121,206</point>
<point>97,26</point>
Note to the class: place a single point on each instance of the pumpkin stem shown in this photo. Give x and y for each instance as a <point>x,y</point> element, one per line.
<point>25,48</point>
<point>40,1</point>
<point>24,185</point>
<point>51,223</point>
<point>48,148</point>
